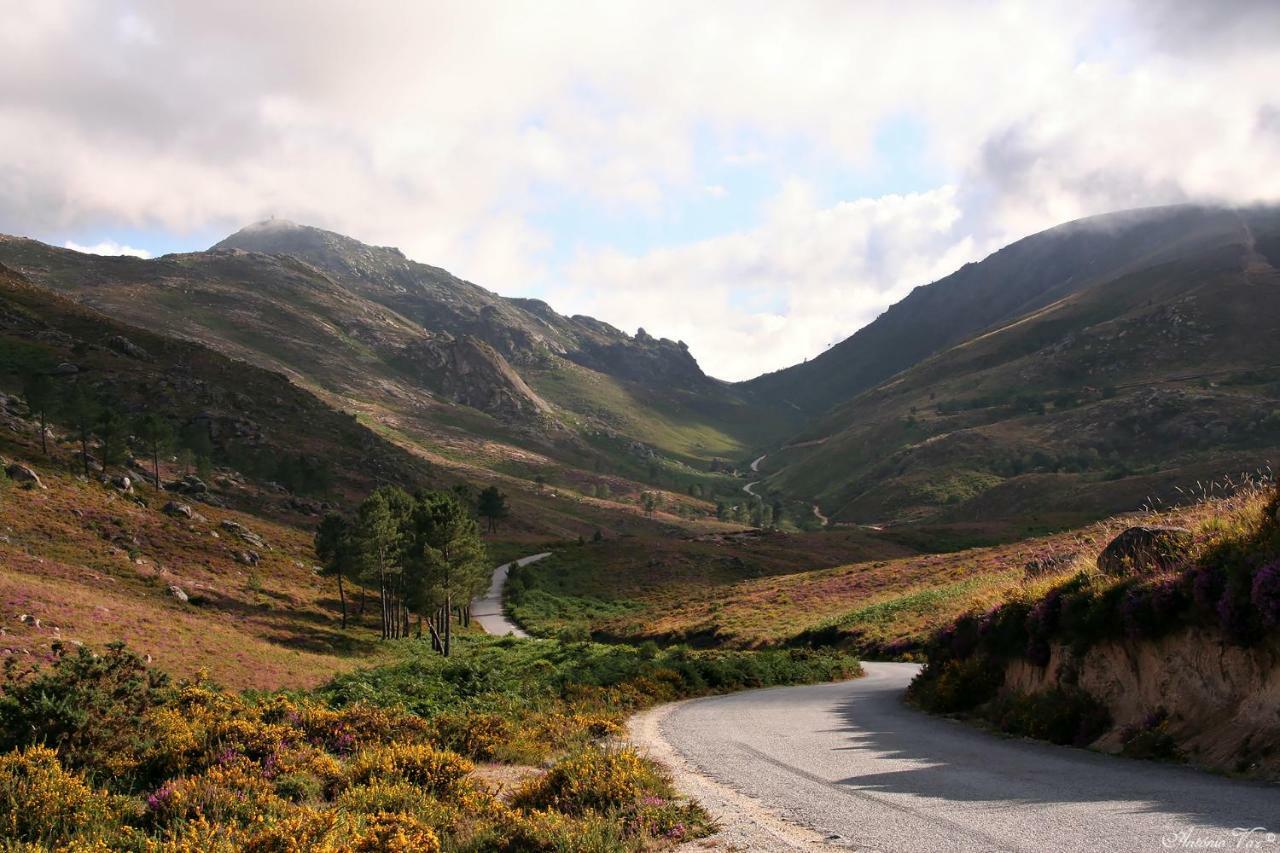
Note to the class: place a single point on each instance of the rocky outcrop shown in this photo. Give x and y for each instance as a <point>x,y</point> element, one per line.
<point>469,371</point>
<point>1215,701</point>
<point>1144,550</point>
<point>244,533</point>
<point>124,346</point>
<point>20,473</point>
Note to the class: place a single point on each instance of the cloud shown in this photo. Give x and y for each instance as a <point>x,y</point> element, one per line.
<point>750,302</point>
<point>107,247</point>
<point>448,128</point>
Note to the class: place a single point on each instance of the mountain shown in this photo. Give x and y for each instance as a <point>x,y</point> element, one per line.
<point>455,367</point>
<point>1017,280</point>
<point>290,445</point>
<point>521,330</point>
<point>1111,389</point>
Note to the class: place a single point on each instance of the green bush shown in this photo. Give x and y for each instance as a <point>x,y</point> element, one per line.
<point>1063,716</point>
<point>955,686</point>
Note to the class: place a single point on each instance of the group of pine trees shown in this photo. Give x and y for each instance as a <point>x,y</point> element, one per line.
<point>420,554</point>
<point>93,418</point>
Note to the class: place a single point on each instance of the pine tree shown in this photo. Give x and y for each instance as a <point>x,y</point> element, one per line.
<point>111,431</point>
<point>336,550</point>
<point>81,411</point>
<point>156,434</point>
<point>492,505</point>
<point>40,394</point>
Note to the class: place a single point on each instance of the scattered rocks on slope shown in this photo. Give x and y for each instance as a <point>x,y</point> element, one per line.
<point>244,533</point>
<point>177,510</point>
<point>1144,550</point>
<point>22,474</point>
<point>124,346</point>
<point>188,485</point>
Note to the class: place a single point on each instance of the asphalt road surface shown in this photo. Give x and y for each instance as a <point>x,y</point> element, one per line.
<point>487,610</point>
<point>853,763</point>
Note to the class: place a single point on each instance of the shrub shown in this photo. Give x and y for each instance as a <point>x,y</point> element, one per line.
<point>959,685</point>
<point>394,833</point>
<point>441,773</point>
<point>1151,739</point>
<point>1064,716</point>
<point>1265,594</point>
<point>593,779</point>
<point>40,802</point>
<point>90,709</point>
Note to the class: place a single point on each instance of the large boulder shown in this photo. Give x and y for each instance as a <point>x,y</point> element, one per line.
<point>20,473</point>
<point>1145,550</point>
<point>178,593</point>
<point>177,510</point>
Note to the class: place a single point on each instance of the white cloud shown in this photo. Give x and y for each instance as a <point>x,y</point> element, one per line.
<point>751,302</point>
<point>107,247</point>
<point>447,128</point>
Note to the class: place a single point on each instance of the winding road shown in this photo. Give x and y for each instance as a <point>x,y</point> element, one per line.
<point>848,765</point>
<point>755,466</point>
<point>487,609</point>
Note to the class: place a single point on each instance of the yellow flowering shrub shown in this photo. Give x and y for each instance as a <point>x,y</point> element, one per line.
<point>592,778</point>
<point>480,736</point>
<point>441,773</point>
<point>395,833</point>
<point>234,793</point>
<point>41,802</point>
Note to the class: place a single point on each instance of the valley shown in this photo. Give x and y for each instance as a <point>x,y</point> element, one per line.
<point>176,431</point>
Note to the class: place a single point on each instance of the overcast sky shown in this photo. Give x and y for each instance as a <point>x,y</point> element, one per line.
<point>756,179</point>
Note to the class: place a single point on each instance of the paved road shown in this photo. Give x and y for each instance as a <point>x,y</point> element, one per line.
<point>853,762</point>
<point>755,466</point>
<point>487,610</point>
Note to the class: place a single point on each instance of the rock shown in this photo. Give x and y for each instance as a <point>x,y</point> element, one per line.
<point>22,474</point>
<point>244,533</point>
<point>123,483</point>
<point>65,369</point>
<point>188,485</point>
<point>124,346</point>
<point>1145,550</point>
<point>178,593</point>
<point>177,510</point>
<point>248,558</point>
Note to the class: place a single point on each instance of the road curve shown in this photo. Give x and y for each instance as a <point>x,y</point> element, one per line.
<point>853,763</point>
<point>755,467</point>
<point>487,609</point>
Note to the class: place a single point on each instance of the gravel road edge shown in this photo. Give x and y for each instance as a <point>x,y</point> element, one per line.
<point>745,823</point>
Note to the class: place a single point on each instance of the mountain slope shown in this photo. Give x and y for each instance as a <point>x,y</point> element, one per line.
<point>1115,393</point>
<point>1020,278</point>
<point>467,373</point>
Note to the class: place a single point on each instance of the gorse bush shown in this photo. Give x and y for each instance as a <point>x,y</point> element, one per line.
<point>101,750</point>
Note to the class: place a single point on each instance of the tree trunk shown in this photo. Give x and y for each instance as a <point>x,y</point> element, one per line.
<point>448,624</point>
<point>342,595</point>
<point>44,439</point>
<point>84,451</point>
<point>155,464</point>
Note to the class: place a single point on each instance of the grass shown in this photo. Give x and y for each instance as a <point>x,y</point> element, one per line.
<point>624,587</point>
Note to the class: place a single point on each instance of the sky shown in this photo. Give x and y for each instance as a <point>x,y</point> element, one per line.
<point>756,179</point>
